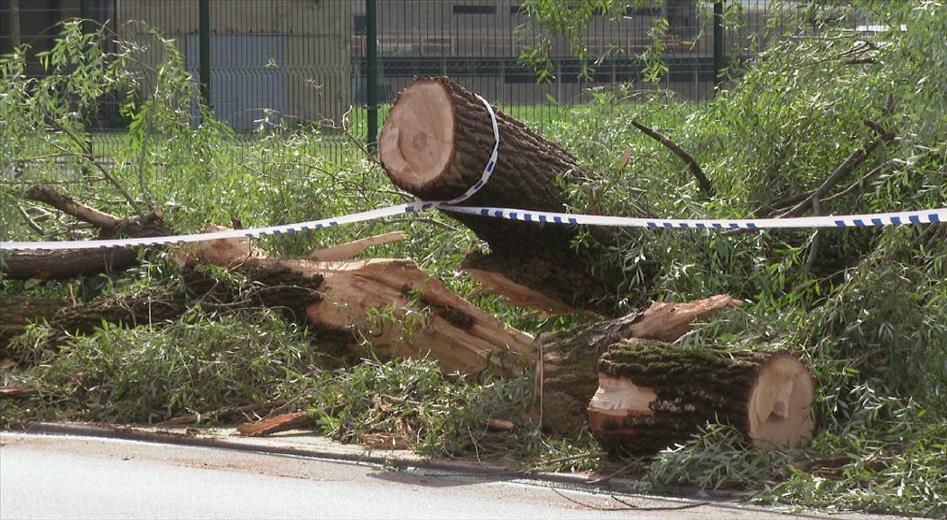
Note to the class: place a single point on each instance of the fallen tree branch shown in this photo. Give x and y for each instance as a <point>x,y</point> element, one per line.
<point>106,222</point>
<point>66,264</point>
<point>843,170</point>
<point>702,181</point>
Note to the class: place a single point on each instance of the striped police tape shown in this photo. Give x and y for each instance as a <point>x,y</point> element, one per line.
<point>899,218</point>
<point>543,217</point>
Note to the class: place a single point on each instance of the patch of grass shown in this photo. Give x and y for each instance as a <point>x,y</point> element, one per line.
<point>413,404</point>
<point>152,373</point>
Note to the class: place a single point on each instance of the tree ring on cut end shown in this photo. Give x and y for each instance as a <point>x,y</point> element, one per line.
<point>417,139</point>
<point>780,404</point>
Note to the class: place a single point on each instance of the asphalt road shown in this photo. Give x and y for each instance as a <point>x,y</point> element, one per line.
<point>76,477</point>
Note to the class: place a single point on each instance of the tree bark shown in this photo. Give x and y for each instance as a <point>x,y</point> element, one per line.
<point>653,395</point>
<point>435,144</point>
<point>27,264</point>
<point>387,304</point>
<point>568,368</point>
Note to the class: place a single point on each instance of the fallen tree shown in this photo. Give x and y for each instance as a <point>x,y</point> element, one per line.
<point>435,143</point>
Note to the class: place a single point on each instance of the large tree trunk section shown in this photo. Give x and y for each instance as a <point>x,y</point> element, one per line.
<point>394,307</point>
<point>568,368</point>
<point>435,143</point>
<point>653,394</point>
<point>387,304</point>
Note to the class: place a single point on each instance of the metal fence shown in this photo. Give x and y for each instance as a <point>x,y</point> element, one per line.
<point>316,60</point>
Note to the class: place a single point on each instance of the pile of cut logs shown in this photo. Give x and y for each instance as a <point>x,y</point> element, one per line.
<point>625,378</point>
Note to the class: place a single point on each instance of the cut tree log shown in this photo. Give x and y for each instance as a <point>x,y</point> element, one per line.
<point>435,143</point>
<point>569,365</point>
<point>653,394</point>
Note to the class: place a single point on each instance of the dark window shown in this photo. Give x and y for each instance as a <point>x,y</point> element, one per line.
<point>359,24</point>
<point>517,9</point>
<point>475,9</point>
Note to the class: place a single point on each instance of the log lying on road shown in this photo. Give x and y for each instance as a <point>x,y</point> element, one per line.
<point>653,394</point>
<point>435,143</point>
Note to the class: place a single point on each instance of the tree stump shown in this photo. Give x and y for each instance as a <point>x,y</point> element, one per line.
<point>653,394</point>
<point>435,143</point>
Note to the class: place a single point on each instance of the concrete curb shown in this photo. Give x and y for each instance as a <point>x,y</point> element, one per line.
<point>274,447</point>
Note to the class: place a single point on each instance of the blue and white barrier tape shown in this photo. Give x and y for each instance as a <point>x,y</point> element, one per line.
<point>843,221</point>
<point>899,218</point>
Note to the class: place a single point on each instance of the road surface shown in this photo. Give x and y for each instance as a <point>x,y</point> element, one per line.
<point>76,477</point>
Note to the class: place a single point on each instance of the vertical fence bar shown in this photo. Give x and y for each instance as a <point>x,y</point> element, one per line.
<point>371,73</point>
<point>85,13</point>
<point>718,42</point>
<point>14,24</point>
<point>204,44</point>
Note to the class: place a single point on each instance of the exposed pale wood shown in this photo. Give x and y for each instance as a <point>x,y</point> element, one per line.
<point>356,247</point>
<point>446,155</point>
<point>569,364</point>
<point>499,425</point>
<point>280,423</point>
<point>780,404</point>
<point>669,321</point>
<point>417,139</point>
<point>517,294</point>
<point>395,307</point>
<point>652,395</point>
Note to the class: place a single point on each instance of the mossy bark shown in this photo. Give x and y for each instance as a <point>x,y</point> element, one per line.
<point>692,384</point>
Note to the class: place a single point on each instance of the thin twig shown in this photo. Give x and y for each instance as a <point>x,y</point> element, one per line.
<point>88,156</point>
<point>703,182</point>
<point>30,222</point>
<point>192,418</point>
<point>612,475</point>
